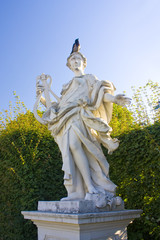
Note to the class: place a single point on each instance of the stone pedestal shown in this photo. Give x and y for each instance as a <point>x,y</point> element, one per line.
<point>77,220</point>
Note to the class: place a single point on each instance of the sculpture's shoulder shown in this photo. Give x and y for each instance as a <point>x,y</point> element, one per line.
<point>108,84</point>
<point>93,79</point>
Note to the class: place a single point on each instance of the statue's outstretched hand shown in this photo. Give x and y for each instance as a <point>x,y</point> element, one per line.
<point>122,100</point>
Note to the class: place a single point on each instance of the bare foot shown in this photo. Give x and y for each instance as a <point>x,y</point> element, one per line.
<point>73,196</point>
<point>92,189</point>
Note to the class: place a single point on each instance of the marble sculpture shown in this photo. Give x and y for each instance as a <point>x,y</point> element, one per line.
<point>79,122</point>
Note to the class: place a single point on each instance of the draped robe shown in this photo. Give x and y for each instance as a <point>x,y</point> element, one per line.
<point>82,109</point>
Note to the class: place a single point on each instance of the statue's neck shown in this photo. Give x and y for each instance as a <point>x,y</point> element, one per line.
<point>79,73</point>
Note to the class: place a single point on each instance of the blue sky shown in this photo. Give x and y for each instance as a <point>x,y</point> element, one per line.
<point>120,38</point>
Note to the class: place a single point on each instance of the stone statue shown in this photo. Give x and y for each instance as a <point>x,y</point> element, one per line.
<point>79,122</point>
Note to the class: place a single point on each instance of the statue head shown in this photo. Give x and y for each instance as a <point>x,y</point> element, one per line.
<point>77,55</point>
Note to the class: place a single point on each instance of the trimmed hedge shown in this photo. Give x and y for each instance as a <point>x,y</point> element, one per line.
<point>135,168</point>
<point>30,170</point>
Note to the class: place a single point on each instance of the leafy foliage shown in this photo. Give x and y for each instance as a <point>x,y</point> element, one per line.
<point>122,121</point>
<point>30,167</point>
<point>135,168</point>
<point>30,170</point>
<point>144,103</point>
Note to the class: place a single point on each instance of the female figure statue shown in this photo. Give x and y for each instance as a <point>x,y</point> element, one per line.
<point>78,121</point>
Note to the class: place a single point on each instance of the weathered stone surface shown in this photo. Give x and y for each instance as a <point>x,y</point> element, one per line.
<point>82,226</point>
<point>106,202</point>
<point>82,206</point>
<point>79,122</point>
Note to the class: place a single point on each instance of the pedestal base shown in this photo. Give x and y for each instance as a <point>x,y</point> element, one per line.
<point>109,225</point>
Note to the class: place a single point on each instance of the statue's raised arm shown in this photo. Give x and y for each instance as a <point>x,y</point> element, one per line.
<point>43,87</point>
<point>79,123</point>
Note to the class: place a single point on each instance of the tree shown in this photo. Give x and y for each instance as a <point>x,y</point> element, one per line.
<point>30,166</point>
<point>145,101</point>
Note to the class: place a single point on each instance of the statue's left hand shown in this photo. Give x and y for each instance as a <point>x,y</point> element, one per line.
<point>122,100</point>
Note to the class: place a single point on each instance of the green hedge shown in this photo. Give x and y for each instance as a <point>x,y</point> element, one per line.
<point>30,170</point>
<point>135,168</point>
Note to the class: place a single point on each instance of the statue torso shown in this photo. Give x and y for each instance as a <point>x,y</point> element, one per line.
<point>79,88</point>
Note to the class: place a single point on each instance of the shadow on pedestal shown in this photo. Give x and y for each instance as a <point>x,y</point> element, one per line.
<point>80,220</point>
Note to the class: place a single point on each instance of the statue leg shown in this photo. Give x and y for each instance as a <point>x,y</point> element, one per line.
<point>73,183</point>
<point>75,191</point>
<point>81,160</point>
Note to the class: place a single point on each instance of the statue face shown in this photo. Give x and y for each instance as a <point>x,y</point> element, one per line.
<point>76,63</point>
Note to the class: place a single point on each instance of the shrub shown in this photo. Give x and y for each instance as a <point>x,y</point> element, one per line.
<point>30,170</point>
<point>135,168</point>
